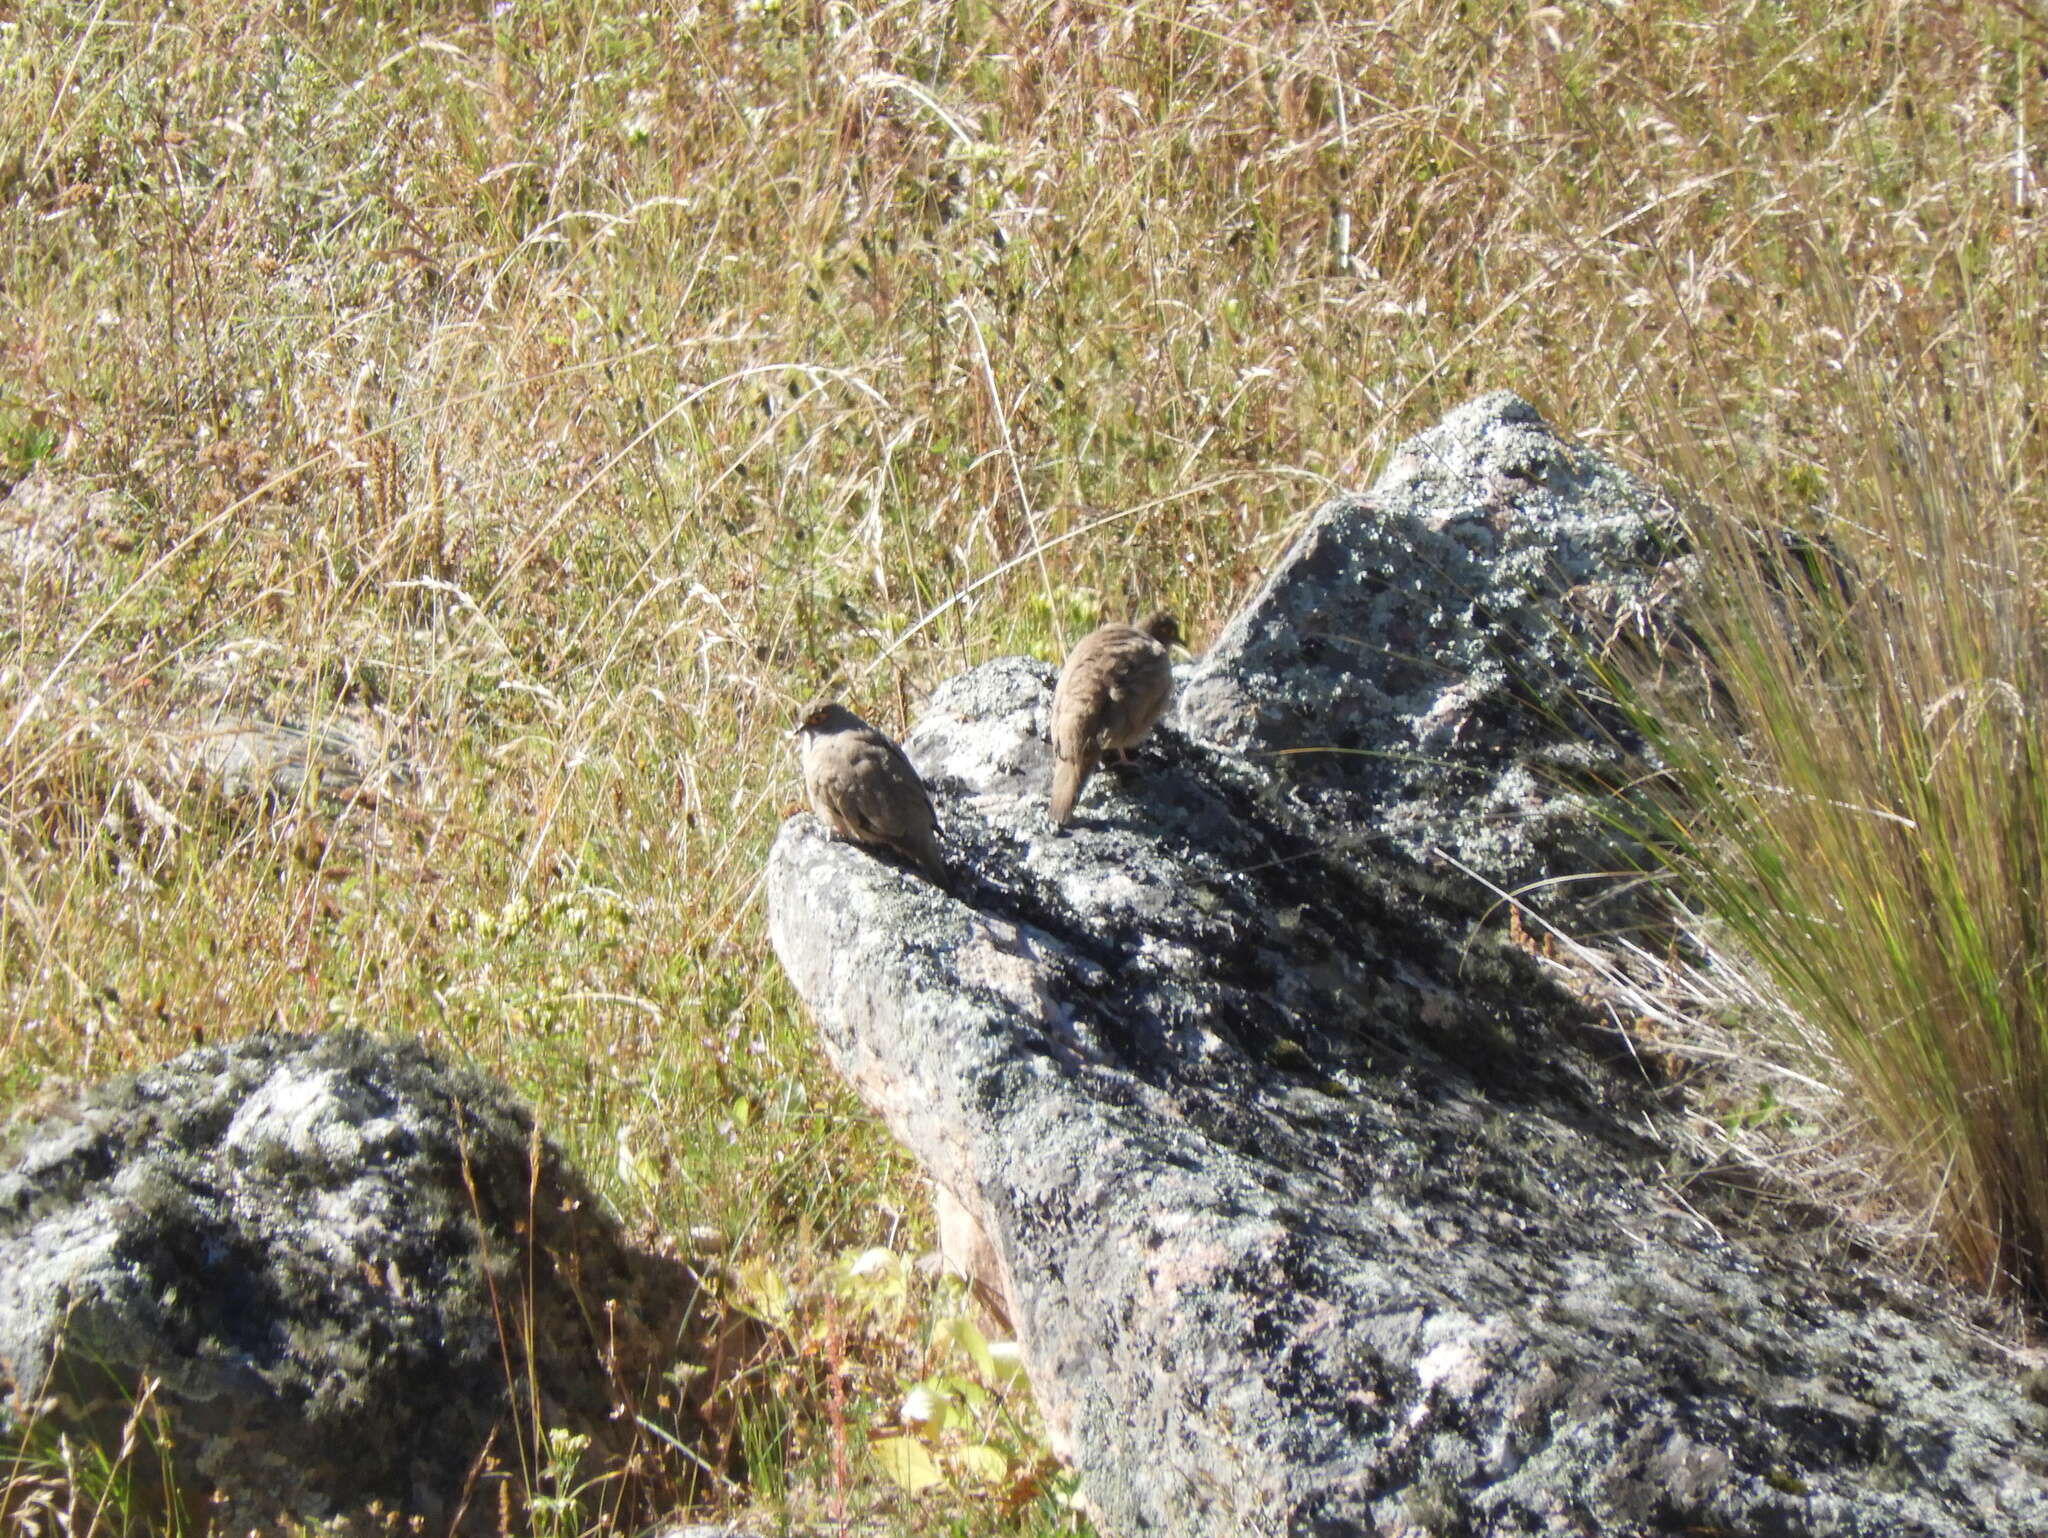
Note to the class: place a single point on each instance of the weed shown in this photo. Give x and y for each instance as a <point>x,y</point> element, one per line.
<point>55,1480</point>
<point>1859,803</point>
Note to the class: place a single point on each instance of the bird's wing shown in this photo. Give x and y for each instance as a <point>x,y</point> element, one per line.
<point>1144,689</point>
<point>1085,697</point>
<point>1123,679</point>
<point>881,795</point>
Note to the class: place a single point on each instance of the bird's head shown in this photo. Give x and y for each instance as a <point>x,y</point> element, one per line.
<point>1163,628</point>
<point>824,716</point>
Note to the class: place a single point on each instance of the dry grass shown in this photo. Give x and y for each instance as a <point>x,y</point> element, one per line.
<point>561,392</point>
<point>1863,808</point>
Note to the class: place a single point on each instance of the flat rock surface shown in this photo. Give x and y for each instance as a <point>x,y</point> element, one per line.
<point>1316,1211</point>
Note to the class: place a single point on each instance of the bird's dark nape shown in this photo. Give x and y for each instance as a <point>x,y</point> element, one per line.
<point>1162,627</point>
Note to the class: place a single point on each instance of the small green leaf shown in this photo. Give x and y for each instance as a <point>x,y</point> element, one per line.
<point>963,1334</point>
<point>1006,1361</point>
<point>762,1289</point>
<point>972,1395</point>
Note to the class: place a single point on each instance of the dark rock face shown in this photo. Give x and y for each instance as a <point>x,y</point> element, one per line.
<point>331,1252</point>
<point>1314,1212</point>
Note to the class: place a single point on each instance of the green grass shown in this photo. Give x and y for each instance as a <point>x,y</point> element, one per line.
<point>576,388</point>
<point>1860,801</point>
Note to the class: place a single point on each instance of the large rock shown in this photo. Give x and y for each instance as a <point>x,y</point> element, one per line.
<point>353,1274</point>
<point>1316,1211</point>
<point>1403,676</point>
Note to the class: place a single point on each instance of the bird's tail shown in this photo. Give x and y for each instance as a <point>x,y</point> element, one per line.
<point>1068,776</point>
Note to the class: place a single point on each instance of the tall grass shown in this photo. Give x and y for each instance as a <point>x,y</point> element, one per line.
<point>570,388</point>
<point>1857,786</point>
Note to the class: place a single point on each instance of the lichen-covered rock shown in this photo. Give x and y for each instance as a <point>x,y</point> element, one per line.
<point>330,1255</point>
<point>247,757</point>
<point>1415,669</point>
<point>1317,1213</point>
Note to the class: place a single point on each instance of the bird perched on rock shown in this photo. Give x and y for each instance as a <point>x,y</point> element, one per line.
<point>1113,690</point>
<point>864,789</point>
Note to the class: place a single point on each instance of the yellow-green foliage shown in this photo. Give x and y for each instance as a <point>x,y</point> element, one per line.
<point>583,385</point>
<point>1862,806</point>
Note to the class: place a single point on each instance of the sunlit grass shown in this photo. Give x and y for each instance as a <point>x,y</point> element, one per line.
<point>1858,790</point>
<point>574,388</point>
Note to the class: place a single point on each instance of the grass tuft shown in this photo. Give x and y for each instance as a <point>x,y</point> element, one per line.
<point>1856,790</point>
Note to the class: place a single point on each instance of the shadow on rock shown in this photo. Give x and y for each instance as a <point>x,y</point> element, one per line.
<point>1311,1211</point>
<point>344,1276</point>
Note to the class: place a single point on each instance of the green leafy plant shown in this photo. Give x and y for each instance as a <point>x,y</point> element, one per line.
<point>24,441</point>
<point>557,1504</point>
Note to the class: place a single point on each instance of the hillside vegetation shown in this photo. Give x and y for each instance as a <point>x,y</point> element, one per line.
<point>562,392</point>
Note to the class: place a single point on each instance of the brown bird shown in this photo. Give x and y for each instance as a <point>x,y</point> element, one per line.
<point>1113,690</point>
<point>864,789</point>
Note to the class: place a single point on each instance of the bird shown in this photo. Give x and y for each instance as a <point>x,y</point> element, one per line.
<point>1112,691</point>
<point>864,789</point>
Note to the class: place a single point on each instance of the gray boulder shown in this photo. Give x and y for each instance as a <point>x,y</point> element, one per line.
<point>332,1256</point>
<point>1413,676</point>
<point>1317,1211</point>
